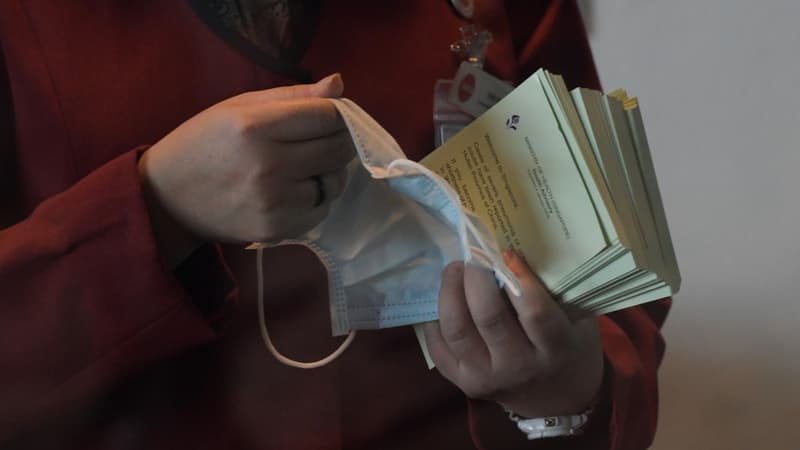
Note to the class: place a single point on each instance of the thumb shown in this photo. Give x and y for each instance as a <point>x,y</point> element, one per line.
<point>331,86</point>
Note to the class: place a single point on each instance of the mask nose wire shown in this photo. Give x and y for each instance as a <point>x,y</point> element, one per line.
<point>265,334</point>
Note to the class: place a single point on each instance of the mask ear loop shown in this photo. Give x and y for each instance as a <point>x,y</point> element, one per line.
<point>507,279</point>
<point>265,334</point>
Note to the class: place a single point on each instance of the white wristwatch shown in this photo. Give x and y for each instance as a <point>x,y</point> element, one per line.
<point>554,426</point>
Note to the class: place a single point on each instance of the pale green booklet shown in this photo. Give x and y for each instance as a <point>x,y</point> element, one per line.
<point>566,179</point>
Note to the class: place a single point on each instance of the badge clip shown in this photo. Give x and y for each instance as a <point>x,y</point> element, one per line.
<point>472,45</point>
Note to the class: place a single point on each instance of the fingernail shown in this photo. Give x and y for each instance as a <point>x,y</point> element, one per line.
<point>508,256</point>
<point>330,78</point>
<point>455,269</point>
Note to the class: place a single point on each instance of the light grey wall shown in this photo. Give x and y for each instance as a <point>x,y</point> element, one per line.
<point>719,84</point>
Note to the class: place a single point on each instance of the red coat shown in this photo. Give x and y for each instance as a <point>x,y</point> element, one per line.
<point>101,346</point>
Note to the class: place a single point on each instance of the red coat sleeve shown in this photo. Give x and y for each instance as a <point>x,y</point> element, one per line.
<point>551,35</point>
<point>85,299</point>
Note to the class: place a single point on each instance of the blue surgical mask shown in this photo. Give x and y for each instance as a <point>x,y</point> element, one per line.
<point>388,238</point>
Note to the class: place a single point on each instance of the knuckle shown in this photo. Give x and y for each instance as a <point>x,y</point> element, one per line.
<point>265,200</point>
<point>454,335</point>
<point>240,123</point>
<point>265,167</point>
<point>537,317</point>
<point>269,168</point>
<point>491,322</point>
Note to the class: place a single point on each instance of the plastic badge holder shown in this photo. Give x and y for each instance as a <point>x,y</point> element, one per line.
<point>448,120</point>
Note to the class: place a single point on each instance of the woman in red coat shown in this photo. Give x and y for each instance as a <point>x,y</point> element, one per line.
<point>120,325</point>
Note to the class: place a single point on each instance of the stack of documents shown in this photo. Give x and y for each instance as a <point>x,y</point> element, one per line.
<point>566,179</point>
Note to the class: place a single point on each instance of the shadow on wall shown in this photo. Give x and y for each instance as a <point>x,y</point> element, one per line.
<point>723,404</point>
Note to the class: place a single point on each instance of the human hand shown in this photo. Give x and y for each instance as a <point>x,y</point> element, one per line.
<point>523,352</point>
<point>241,171</point>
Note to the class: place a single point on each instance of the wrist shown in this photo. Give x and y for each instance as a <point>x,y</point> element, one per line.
<point>174,241</point>
<point>556,402</point>
<point>571,422</point>
<point>572,391</point>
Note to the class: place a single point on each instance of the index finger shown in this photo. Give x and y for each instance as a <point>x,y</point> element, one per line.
<point>543,321</point>
<point>318,156</point>
<point>493,319</point>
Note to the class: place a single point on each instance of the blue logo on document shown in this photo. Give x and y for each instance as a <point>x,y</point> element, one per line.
<point>512,122</point>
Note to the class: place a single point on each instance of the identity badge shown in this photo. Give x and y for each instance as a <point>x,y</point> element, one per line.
<point>458,101</point>
<point>473,91</point>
